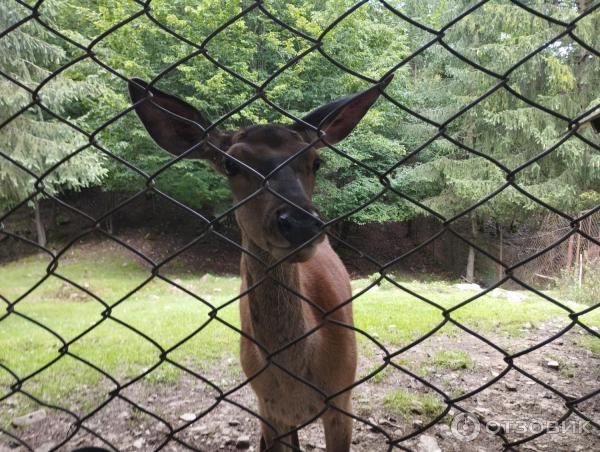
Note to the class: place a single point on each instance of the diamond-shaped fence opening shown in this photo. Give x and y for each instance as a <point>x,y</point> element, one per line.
<point>483,149</point>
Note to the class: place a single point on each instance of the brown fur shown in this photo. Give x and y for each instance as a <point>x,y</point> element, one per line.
<point>326,358</point>
<point>294,383</point>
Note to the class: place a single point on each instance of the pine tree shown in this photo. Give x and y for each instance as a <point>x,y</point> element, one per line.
<point>35,139</point>
<point>561,78</point>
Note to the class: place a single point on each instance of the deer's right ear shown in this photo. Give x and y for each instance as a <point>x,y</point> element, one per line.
<point>338,118</point>
<point>175,125</point>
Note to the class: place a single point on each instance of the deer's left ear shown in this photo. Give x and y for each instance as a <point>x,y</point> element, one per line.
<point>338,118</point>
<point>175,125</point>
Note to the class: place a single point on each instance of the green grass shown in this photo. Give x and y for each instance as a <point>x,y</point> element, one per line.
<point>169,315</point>
<point>591,343</point>
<point>397,317</point>
<point>451,360</point>
<point>444,359</point>
<point>158,310</point>
<point>379,376</point>
<point>405,403</point>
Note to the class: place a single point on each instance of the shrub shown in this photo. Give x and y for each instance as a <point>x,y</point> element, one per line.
<point>588,290</point>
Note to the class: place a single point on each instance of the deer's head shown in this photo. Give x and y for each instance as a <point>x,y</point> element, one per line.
<point>272,165</point>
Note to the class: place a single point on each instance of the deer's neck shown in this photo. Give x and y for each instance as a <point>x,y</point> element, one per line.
<point>277,315</point>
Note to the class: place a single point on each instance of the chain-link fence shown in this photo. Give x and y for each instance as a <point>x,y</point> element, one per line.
<point>171,435</point>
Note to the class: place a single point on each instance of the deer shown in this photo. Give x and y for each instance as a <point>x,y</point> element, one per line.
<point>298,283</point>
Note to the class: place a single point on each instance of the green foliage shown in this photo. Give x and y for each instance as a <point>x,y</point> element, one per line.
<point>35,139</point>
<point>369,41</point>
<point>255,47</point>
<point>562,78</point>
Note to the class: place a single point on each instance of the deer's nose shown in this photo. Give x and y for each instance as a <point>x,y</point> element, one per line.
<point>297,226</point>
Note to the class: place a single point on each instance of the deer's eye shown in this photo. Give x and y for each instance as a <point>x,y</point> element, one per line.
<point>316,165</point>
<point>231,166</point>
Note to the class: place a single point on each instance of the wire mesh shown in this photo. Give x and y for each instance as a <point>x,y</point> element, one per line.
<point>447,316</point>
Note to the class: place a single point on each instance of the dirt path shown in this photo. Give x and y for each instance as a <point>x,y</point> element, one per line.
<point>521,406</point>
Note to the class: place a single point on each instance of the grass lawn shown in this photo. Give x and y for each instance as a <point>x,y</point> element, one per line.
<point>168,315</point>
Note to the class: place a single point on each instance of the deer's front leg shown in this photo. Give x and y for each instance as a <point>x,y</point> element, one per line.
<point>338,428</point>
<point>268,444</point>
<point>268,435</point>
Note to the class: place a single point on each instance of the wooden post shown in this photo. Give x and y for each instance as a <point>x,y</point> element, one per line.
<point>580,279</point>
<point>577,249</point>
<point>570,253</point>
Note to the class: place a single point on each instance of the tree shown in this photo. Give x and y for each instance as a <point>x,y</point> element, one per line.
<point>370,41</point>
<point>35,139</point>
<point>450,179</point>
<point>255,47</point>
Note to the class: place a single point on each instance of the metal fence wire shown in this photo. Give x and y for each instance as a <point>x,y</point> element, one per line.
<point>447,316</point>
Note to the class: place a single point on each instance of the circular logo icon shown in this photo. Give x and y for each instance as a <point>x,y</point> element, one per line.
<point>465,427</point>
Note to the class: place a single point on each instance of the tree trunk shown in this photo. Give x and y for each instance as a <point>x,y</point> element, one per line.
<point>570,253</point>
<point>110,227</point>
<point>578,250</point>
<point>501,252</point>
<point>39,225</point>
<point>470,273</point>
<point>470,276</point>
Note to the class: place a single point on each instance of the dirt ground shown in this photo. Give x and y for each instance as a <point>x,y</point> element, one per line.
<point>518,404</point>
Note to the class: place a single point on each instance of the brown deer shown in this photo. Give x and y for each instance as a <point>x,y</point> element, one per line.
<point>280,224</point>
